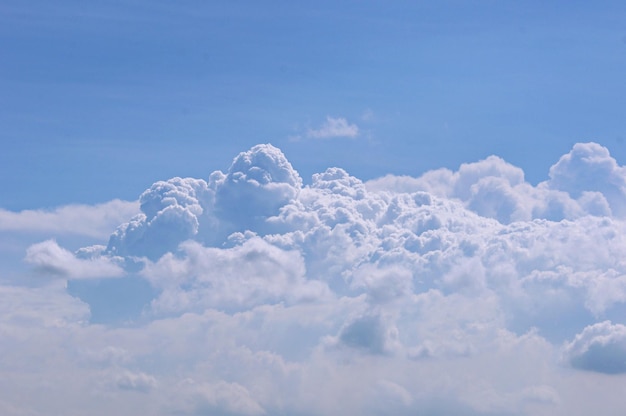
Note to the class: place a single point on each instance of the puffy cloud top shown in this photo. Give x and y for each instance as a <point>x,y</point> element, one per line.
<point>258,183</point>
<point>589,167</point>
<point>270,297</point>
<point>586,181</point>
<point>263,164</point>
<point>600,347</point>
<point>170,214</point>
<point>470,230</point>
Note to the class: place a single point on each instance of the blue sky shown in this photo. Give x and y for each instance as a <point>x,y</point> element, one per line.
<point>437,226</point>
<point>106,97</point>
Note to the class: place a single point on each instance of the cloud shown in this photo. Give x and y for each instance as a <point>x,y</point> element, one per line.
<point>589,167</point>
<point>202,278</point>
<point>48,306</point>
<point>368,115</point>
<point>368,333</point>
<point>169,215</point>
<point>599,347</point>
<point>95,221</point>
<point>127,380</point>
<point>49,259</point>
<point>333,128</point>
<point>258,183</point>
<point>586,181</point>
<point>452,293</point>
<point>221,398</point>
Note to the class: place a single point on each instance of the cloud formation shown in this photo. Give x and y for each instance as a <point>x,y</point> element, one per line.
<point>334,128</point>
<point>49,258</point>
<point>452,293</point>
<point>586,181</point>
<point>258,183</point>
<point>91,221</point>
<point>599,347</point>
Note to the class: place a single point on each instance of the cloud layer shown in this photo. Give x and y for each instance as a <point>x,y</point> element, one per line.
<point>467,292</point>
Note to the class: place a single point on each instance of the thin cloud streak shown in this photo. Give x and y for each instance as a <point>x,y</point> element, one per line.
<point>333,128</point>
<point>95,221</point>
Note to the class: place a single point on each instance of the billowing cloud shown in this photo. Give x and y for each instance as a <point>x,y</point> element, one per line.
<point>203,278</point>
<point>600,347</point>
<point>258,183</point>
<point>459,292</point>
<point>49,258</point>
<point>589,169</point>
<point>169,215</point>
<point>334,127</point>
<point>496,189</point>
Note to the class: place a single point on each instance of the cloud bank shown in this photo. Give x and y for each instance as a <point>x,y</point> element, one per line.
<point>468,292</point>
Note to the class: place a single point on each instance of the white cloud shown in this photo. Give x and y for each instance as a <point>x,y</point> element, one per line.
<point>203,278</point>
<point>50,259</point>
<point>334,128</point>
<point>452,293</point>
<point>600,347</point>
<point>128,380</point>
<point>221,398</point>
<point>258,183</point>
<point>169,215</point>
<point>95,221</point>
<point>589,167</point>
<point>48,306</point>
<point>586,181</point>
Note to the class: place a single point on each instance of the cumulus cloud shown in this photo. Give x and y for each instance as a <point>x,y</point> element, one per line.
<point>589,167</point>
<point>50,259</point>
<point>586,181</point>
<point>258,183</point>
<point>334,128</point>
<point>253,273</point>
<point>599,347</point>
<point>169,215</point>
<point>451,293</point>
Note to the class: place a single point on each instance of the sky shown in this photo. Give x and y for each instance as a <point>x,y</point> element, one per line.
<point>272,208</point>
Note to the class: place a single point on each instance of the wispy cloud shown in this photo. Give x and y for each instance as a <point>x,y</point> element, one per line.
<point>334,128</point>
<point>92,221</point>
<point>368,115</point>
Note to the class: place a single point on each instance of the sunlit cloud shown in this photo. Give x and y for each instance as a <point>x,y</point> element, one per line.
<point>465,291</point>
